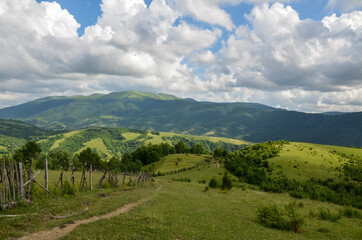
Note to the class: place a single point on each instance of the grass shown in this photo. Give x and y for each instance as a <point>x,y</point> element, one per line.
<point>44,205</point>
<point>97,144</point>
<point>176,162</point>
<point>66,135</point>
<point>182,210</point>
<point>303,160</point>
<point>130,135</point>
<point>157,139</point>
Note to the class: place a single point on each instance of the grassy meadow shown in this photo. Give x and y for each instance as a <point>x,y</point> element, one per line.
<point>186,210</point>
<point>183,210</point>
<point>176,162</point>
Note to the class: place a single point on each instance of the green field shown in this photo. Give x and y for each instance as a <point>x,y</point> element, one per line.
<point>116,141</point>
<point>176,162</point>
<point>98,145</point>
<point>66,135</point>
<point>184,210</point>
<point>157,139</point>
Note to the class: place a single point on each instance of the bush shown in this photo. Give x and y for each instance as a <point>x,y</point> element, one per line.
<point>213,183</point>
<point>350,212</point>
<point>226,182</point>
<point>271,216</point>
<point>326,215</point>
<point>296,194</point>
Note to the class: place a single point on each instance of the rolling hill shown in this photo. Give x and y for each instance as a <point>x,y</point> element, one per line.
<point>106,141</point>
<point>161,112</point>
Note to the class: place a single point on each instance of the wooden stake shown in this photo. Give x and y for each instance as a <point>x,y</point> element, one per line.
<point>32,178</point>
<point>21,181</point>
<point>138,177</point>
<point>12,172</point>
<point>72,179</point>
<point>5,181</point>
<point>2,183</point>
<point>90,178</point>
<point>17,179</point>
<point>102,179</point>
<point>46,173</point>
<point>124,178</point>
<point>30,174</point>
<point>12,179</point>
<point>47,191</point>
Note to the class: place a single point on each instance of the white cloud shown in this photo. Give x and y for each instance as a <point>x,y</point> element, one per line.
<point>344,5</point>
<point>278,60</point>
<point>281,51</point>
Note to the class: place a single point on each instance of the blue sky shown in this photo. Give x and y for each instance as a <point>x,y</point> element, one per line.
<point>302,55</point>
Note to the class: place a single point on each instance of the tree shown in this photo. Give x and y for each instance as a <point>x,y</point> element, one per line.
<point>197,149</point>
<point>30,150</point>
<point>59,159</point>
<point>181,147</point>
<point>90,157</point>
<point>226,182</point>
<point>114,164</point>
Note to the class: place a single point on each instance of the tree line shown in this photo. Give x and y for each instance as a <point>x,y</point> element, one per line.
<point>59,159</point>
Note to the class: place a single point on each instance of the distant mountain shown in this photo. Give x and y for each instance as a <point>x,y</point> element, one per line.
<point>161,112</point>
<point>335,113</point>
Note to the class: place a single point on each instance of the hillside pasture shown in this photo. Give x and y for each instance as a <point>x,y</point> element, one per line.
<point>99,146</point>
<point>66,135</point>
<point>302,161</point>
<point>183,210</point>
<point>176,162</point>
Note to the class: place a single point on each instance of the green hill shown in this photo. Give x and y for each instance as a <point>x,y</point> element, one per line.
<point>247,121</point>
<point>106,141</point>
<point>18,129</point>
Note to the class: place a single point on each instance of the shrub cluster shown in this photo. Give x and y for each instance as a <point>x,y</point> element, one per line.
<point>272,216</point>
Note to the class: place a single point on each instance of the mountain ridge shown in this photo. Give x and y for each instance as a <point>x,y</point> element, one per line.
<point>162,112</point>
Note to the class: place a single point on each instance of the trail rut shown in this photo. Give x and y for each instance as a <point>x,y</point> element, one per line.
<point>58,232</point>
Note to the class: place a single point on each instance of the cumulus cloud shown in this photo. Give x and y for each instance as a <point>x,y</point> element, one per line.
<point>280,52</point>
<point>278,59</point>
<point>344,5</point>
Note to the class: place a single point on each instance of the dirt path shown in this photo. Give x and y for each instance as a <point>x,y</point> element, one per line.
<point>58,232</point>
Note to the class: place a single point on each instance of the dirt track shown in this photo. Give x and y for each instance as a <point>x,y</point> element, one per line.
<point>58,232</point>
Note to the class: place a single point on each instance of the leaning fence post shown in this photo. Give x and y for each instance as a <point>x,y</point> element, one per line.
<point>46,173</point>
<point>90,178</point>
<point>21,181</point>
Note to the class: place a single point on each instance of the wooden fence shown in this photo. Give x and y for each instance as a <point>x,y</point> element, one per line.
<point>14,187</point>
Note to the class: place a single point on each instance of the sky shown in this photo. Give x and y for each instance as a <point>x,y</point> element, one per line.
<point>302,55</point>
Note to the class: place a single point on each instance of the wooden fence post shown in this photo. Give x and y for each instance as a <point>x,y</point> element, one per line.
<point>124,178</point>
<point>30,174</point>
<point>46,173</point>
<point>13,166</point>
<point>21,181</point>
<point>12,180</point>
<point>1,191</point>
<point>17,179</point>
<point>72,179</point>
<point>90,178</point>
<point>5,182</point>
